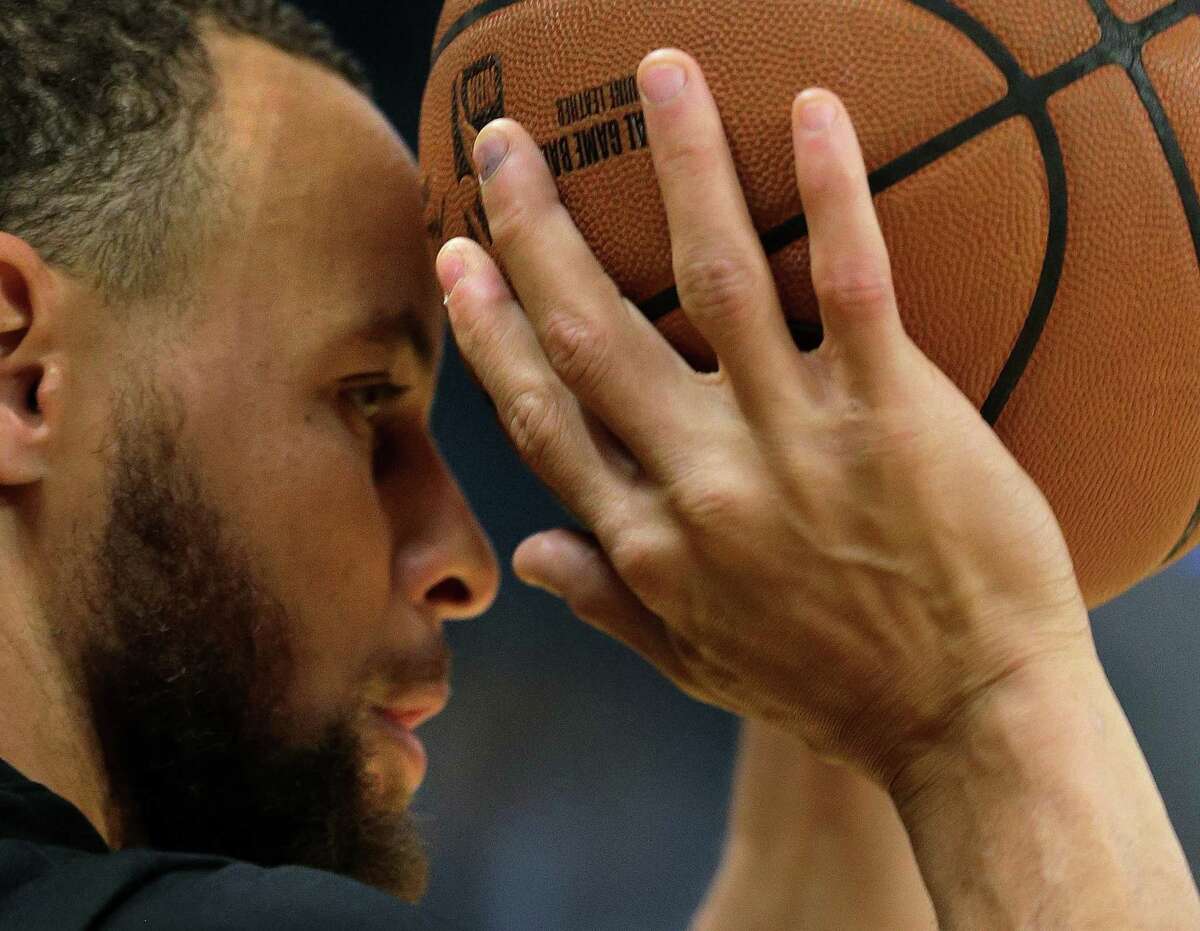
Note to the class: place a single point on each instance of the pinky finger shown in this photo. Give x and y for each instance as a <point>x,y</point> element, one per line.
<point>573,567</point>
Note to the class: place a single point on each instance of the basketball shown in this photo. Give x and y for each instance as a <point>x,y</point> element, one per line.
<point>1034,166</point>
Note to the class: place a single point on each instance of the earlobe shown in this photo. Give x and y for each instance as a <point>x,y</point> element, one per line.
<point>26,398</point>
<point>24,431</point>
<point>21,459</point>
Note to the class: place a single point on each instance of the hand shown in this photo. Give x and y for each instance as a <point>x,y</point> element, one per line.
<point>835,542</point>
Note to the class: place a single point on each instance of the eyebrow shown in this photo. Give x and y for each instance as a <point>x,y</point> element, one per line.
<point>391,327</point>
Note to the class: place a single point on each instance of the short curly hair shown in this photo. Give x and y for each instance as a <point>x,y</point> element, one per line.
<point>103,165</point>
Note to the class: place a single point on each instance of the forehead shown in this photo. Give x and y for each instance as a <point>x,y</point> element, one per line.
<point>327,233</point>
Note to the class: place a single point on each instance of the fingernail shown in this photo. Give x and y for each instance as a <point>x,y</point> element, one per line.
<point>662,83</point>
<point>816,111</point>
<point>491,149</point>
<point>451,267</point>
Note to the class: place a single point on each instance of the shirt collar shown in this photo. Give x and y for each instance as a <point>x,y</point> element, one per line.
<point>30,811</point>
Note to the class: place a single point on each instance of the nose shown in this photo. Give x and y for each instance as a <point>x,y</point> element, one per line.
<point>445,564</point>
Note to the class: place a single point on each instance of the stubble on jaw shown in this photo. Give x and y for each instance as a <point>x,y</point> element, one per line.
<point>183,664</point>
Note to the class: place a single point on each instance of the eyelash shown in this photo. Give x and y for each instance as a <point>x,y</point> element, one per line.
<point>391,394</point>
<point>383,445</point>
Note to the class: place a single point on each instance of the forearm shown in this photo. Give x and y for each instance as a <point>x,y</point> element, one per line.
<point>810,844</point>
<point>1045,815</point>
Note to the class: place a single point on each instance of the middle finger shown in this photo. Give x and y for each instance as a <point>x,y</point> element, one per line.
<point>722,274</point>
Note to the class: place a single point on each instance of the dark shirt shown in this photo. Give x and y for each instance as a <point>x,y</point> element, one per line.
<point>57,874</point>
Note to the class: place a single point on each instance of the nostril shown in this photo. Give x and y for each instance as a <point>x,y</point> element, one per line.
<point>450,591</point>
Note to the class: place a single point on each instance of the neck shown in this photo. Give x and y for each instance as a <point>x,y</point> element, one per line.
<point>44,732</point>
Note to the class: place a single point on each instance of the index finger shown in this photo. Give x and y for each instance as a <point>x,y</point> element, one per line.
<point>600,347</point>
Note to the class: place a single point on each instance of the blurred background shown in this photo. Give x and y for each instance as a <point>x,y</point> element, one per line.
<point>570,786</point>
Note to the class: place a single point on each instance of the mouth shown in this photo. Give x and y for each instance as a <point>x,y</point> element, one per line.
<point>410,750</point>
<point>412,710</point>
<point>399,719</point>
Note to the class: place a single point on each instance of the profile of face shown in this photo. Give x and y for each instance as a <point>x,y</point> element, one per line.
<point>247,540</point>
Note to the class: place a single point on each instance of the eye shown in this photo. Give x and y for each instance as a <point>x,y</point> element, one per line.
<point>372,400</point>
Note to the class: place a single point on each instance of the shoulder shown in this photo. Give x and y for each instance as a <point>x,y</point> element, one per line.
<point>43,887</point>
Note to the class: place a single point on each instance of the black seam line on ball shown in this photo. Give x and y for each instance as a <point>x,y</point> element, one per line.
<point>466,21</point>
<point>1192,527</point>
<point>1025,96</point>
<point>1128,41</point>
<point>1120,44</point>
<point>1133,36</point>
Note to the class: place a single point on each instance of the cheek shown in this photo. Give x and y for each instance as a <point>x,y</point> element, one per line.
<point>314,521</point>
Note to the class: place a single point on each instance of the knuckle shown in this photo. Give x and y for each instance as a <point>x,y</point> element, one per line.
<point>832,178</point>
<point>715,288</point>
<point>535,424</point>
<point>710,505</point>
<point>471,330</point>
<point>576,350</point>
<point>641,560</point>
<point>861,282</point>
<point>688,157</point>
<point>589,606</point>
<point>508,223</point>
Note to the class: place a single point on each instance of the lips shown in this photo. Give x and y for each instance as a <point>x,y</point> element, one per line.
<point>413,709</point>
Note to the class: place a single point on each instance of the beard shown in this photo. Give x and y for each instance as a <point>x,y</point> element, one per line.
<point>183,663</point>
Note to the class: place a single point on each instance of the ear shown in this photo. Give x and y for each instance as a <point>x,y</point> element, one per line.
<point>31,373</point>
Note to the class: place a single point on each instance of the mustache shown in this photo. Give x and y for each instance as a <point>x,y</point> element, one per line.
<point>404,672</point>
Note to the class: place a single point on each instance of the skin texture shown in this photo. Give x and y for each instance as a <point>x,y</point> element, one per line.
<point>218,556</point>
<point>832,542</point>
<point>849,507</point>
<point>845,860</point>
<point>213,569</point>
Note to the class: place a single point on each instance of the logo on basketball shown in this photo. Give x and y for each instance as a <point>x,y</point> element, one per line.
<point>476,98</point>
<point>479,92</point>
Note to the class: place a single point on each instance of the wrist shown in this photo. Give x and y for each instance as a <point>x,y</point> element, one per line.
<point>1028,719</point>
<point>1038,809</point>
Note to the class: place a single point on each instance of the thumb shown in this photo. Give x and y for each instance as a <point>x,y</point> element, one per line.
<point>573,567</point>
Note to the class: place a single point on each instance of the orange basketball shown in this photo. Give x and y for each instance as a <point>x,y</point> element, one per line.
<point>1034,165</point>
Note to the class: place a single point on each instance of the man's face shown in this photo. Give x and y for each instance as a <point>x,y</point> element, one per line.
<point>278,541</point>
